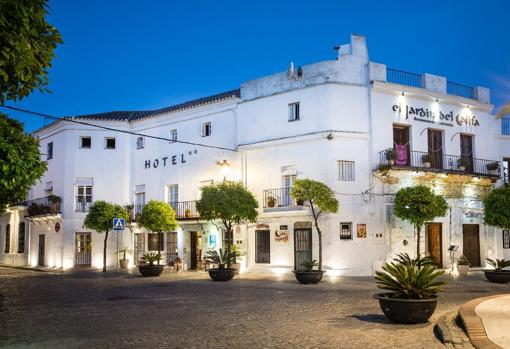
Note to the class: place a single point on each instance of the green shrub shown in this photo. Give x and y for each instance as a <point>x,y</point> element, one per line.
<point>498,264</point>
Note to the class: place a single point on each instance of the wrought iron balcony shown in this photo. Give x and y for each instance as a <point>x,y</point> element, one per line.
<point>183,210</point>
<point>48,205</point>
<point>438,162</point>
<point>279,197</point>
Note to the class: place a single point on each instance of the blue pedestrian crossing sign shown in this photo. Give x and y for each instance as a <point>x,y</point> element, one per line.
<point>119,223</point>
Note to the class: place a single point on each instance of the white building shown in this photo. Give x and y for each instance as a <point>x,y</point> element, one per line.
<point>333,121</point>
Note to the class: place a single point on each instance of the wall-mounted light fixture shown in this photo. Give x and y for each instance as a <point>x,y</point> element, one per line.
<point>225,168</point>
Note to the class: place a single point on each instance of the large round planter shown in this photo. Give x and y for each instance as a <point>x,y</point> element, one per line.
<point>124,263</point>
<point>500,277</point>
<point>150,270</point>
<point>406,311</point>
<point>463,269</point>
<point>221,274</point>
<point>308,277</point>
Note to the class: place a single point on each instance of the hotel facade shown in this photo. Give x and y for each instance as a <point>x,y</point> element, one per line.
<point>360,127</point>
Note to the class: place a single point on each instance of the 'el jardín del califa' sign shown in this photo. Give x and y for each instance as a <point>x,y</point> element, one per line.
<point>436,117</point>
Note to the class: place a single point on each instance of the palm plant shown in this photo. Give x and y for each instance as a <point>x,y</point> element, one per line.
<point>151,257</point>
<point>409,278</point>
<point>224,257</point>
<point>309,265</point>
<point>463,260</point>
<point>498,264</point>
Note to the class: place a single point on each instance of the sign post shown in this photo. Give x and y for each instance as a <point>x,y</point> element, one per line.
<point>118,225</point>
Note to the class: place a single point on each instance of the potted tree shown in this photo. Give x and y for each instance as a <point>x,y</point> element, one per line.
<point>230,203</point>
<point>493,167</point>
<point>222,259</point>
<point>425,159</point>
<point>100,218</point>
<point>463,265</point>
<point>271,201</point>
<point>124,262</point>
<point>462,163</point>
<point>498,275</point>
<point>321,200</point>
<point>418,205</point>
<point>54,201</point>
<point>390,156</point>
<point>148,268</point>
<point>236,265</point>
<point>157,216</point>
<point>412,286</point>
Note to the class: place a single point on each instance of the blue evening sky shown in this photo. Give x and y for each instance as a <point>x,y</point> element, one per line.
<point>133,54</point>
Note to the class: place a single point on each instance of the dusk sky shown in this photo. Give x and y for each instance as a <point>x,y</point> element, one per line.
<point>136,55</point>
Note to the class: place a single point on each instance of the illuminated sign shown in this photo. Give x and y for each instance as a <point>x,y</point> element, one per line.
<point>436,117</point>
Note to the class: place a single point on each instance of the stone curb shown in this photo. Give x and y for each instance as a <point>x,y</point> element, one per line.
<point>474,325</point>
<point>22,267</point>
<point>449,332</point>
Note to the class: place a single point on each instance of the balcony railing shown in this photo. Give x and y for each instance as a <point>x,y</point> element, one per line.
<point>403,78</point>
<point>454,88</point>
<point>438,162</point>
<point>279,197</point>
<point>43,206</point>
<point>505,127</point>
<point>183,210</point>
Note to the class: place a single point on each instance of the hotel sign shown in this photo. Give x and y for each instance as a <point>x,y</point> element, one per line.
<point>169,160</point>
<point>436,117</point>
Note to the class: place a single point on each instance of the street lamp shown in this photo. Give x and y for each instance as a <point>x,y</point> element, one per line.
<point>225,168</point>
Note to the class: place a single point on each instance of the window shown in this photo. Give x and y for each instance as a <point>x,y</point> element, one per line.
<point>171,246</point>
<point>85,142</point>
<point>109,143</point>
<point>506,238</point>
<point>49,151</point>
<point>206,129</point>
<point>294,111</point>
<point>390,216</point>
<point>139,202</point>
<point>154,239</point>
<point>21,237</point>
<point>7,238</point>
<point>172,193</point>
<point>346,231</point>
<point>83,197</point>
<point>346,171</point>
<point>140,143</point>
<point>49,189</point>
<point>173,135</point>
<point>262,246</point>
<point>288,182</point>
<point>506,170</point>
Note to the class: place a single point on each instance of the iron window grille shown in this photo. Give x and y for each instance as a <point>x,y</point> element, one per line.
<point>346,231</point>
<point>21,237</point>
<point>346,170</point>
<point>110,143</point>
<point>155,239</point>
<point>49,151</point>
<point>206,129</point>
<point>7,238</point>
<point>294,111</point>
<point>173,135</point>
<point>506,239</point>
<point>85,142</point>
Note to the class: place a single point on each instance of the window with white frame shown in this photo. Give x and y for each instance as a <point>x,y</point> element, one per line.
<point>294,111</point>
<point>346,170</point>
<point>172,193</point>
<point>83,197</point>
<point>288,182</point>
<point>139,198</point>
<point>49,151</point>
<point>173,135</point>
<point>85,142</point>
<point>109,142</point>
<point>345,231</point>
<point>140,143</point>
<point>206,129</point>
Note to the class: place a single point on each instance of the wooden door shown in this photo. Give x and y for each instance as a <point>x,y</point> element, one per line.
<point>435,145</point>
<point>302,247</point>
<point>471,243</point>
<point>41,251</point>
<point>193,249</point>
<point>466,151</point>
<point>401,145</point>
<point>262,246</point>
<point>435,243</point>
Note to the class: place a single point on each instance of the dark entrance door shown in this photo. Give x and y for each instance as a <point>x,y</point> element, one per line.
<point>471,243</point>
<point>434,243</point>
<point>42,248</point>
<point>193,249</point>
<point>302,247</point>
<point>435,144</point>
<point>262,246</point>
<point>401,145</point>
<point>466,151</point>
<point>139,248</point>
<point>83,249</point>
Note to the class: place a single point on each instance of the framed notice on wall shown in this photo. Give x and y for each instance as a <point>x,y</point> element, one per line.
<point>506,238</point>
<point>362,231</point>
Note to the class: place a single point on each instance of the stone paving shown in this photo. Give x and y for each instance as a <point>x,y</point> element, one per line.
<point>120,310</point>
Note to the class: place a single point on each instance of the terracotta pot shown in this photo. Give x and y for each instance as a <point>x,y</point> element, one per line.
<point>463,269</point>
<point>124,263</point>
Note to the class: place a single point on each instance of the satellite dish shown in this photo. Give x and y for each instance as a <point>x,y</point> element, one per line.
<point>290,71</point>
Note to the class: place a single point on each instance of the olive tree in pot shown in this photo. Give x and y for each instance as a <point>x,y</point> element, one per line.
<point>221,259</point>
<point>413,287</point>
<point>148,268</point>
<point>321,200</point>
<point>157,216</point>
<point>230,203</point>
<point>497,214</point>
<point>100,218</point>
<point>419,205</point>
<point>463,265</point>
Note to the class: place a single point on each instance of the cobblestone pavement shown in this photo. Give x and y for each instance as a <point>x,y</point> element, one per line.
<point>120,310</point>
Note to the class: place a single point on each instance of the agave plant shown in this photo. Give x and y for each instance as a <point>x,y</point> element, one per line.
<point>151,257</point>
<point>224,257</point>
<point>309,265</point>
<point>409,278</point>
<point>498,264</point>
